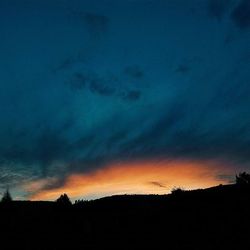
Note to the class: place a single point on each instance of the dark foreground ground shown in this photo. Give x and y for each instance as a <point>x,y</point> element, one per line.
<point>215,218</point>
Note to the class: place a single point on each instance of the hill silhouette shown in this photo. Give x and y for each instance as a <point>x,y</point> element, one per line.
<point>212,218</point>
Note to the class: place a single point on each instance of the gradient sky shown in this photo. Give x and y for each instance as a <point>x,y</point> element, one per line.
<point>102,97</point>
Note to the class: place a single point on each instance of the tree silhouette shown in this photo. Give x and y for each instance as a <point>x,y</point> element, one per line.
<point>64,200</point>
<point>243,179</point>
<point>6,197</point>
<point>177,191</point>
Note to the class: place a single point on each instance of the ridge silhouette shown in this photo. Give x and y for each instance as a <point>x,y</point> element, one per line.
<point>212,218</point>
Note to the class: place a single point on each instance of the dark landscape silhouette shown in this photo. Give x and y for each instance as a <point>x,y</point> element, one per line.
<point>212,218</point>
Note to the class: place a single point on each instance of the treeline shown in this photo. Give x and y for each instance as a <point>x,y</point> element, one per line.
<point>212,218</point>
<point>242,181</point>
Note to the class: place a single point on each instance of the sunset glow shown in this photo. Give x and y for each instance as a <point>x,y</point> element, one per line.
<point>133,178</point>
<point>132,96</point>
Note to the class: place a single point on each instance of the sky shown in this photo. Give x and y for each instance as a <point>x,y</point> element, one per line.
<point>104,97</point>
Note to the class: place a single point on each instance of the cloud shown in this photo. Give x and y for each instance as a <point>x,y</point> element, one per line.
<point>131,95</point>
<point>132,177</point>
<point>78,81</point>
<point>226,177</point>
<point>107,85</point>
<point>217,8</point>
<point>183,69</point>
<point>134,72</point>
<point>100,87</point>
<point>241,14</point>
<point>96,24</point>
<point>10,179</point>
<point>65,65</point>
<point>158,184</point>
<point>123,98</point>
<point>50,146</point>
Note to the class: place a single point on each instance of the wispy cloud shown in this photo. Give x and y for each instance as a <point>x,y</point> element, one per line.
<point>130,178</point>
<point>158,184</point>
<point>87,85</point>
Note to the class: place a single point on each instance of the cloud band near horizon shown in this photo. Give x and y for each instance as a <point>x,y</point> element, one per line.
<point>84,85</point>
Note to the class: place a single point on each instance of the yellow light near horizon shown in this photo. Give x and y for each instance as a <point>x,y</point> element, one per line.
<point>137,177</point>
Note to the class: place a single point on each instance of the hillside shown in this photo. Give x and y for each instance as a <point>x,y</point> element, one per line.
<point>212,218</point>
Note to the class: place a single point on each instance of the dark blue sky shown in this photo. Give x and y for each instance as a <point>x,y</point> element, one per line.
<point>84,84</point>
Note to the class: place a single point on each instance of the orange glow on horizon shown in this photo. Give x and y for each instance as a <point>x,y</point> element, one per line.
<point>152,177</point>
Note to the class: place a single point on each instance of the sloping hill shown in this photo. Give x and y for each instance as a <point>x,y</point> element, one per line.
<point>212,218</point>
